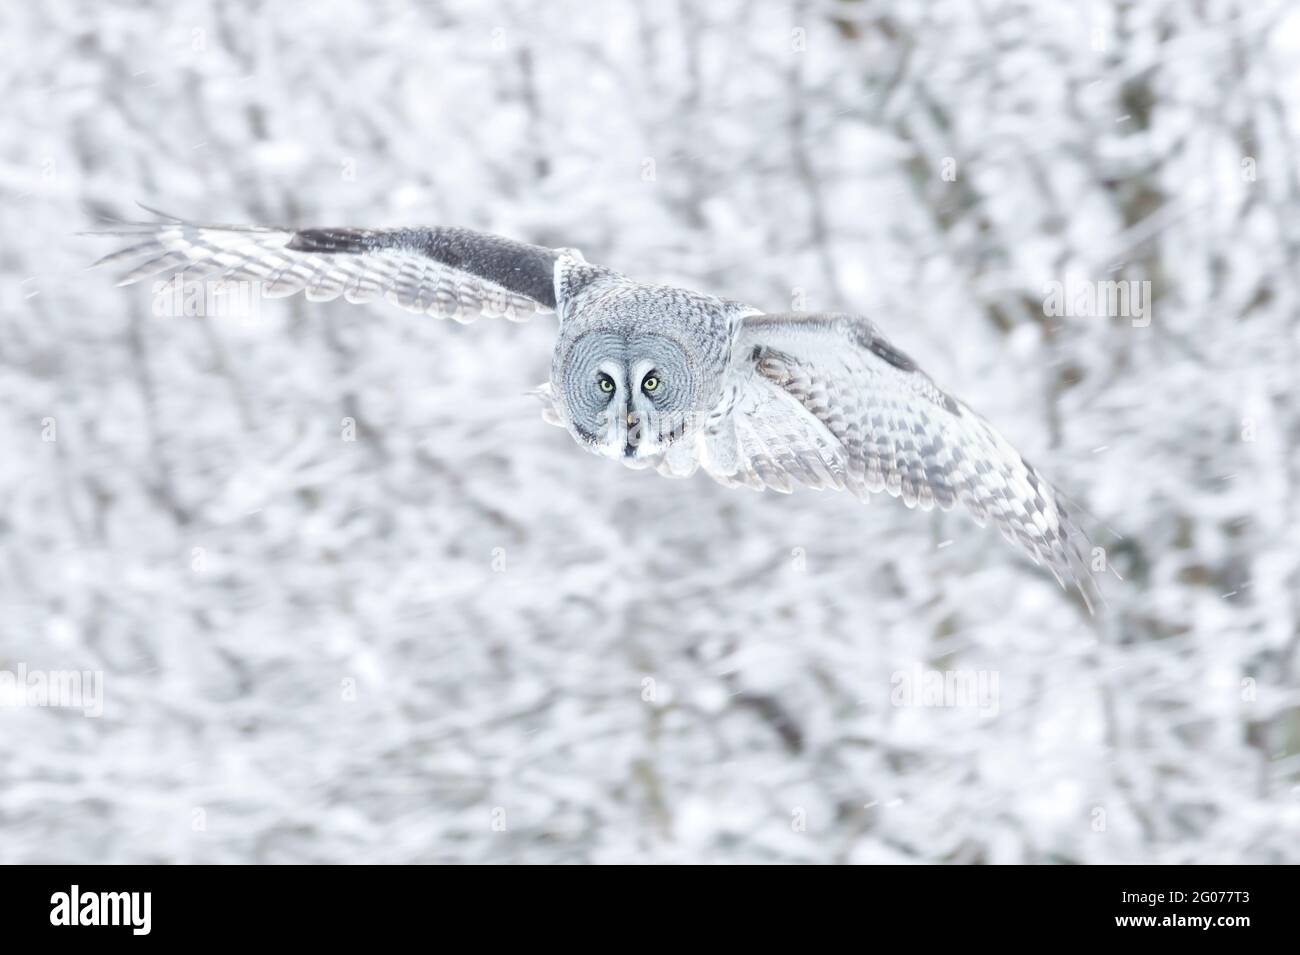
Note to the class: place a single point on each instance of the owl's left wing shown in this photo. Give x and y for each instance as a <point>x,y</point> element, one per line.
<point>824,401</point>
<point>440,271</point>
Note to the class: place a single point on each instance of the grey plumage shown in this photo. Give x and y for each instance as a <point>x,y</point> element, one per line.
<point>447,273</point>
<point>517,267</point>
<point>664,377</point>
<point>830,404</point>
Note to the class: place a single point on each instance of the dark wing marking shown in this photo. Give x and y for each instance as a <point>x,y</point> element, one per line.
<point>526,270</point>
<point>445,272</point>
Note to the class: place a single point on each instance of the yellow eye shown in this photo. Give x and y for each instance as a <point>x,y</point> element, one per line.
<point>606,383</point>
<point>650,384</point>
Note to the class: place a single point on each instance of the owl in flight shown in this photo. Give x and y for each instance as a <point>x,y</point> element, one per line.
<point>663,377</point>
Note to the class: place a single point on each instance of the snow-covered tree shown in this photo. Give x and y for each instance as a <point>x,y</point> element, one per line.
<point>353,601</point>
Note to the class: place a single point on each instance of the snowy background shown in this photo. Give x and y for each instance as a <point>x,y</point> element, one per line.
<point>459,637</point>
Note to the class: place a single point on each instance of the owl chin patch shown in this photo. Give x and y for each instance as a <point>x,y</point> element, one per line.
<point>642,462</point>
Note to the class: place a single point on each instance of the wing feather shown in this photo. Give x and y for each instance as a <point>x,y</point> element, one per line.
<point>448,273</point>
<point>826,402</point>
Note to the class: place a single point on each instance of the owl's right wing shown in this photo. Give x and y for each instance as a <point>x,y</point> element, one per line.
<point>445,272</point>
<point>824,401</point>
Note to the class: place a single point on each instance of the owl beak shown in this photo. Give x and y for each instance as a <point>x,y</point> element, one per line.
<point>632,438</point>
<point>627,440</point>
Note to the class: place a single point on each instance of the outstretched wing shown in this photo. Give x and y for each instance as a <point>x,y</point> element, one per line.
<point>445,272</point>
<point>828,403</point>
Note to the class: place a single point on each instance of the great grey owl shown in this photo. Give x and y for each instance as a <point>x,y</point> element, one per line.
<point>663,377</point>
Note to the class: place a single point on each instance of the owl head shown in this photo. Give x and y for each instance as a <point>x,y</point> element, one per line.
<point>636,367</point>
